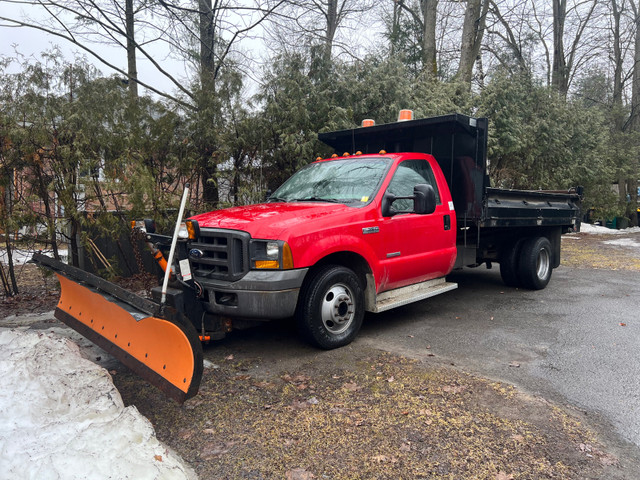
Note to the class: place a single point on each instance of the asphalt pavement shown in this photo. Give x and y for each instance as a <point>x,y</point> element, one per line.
<point>577,342</point>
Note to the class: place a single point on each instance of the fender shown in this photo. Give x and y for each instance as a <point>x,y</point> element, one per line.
<point>310,249</point>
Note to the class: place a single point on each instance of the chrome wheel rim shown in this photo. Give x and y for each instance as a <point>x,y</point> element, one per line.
<point>338,309</point>
<point>544,264</point>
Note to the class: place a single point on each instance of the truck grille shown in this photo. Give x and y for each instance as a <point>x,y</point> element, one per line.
<point>224,255</point>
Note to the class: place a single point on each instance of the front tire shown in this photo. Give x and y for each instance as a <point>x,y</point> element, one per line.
<point>331,307</point>
<point>535,264</point>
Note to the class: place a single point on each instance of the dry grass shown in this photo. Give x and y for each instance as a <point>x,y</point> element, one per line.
<point>386,417</point>
<point>592,251</point>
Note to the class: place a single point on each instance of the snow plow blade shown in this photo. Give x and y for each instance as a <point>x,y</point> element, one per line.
<point>156,342</point>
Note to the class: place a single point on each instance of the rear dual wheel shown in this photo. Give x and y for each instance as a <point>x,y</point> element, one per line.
<point>527,263</point>
<point>331,307</point>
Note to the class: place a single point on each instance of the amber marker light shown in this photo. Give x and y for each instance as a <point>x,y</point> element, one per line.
<point>273,264</point>
<point>193,229</point>
<point>368,122</point>
<point>405,115</point>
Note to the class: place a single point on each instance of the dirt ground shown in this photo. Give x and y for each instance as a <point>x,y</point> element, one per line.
<point>358,413</point>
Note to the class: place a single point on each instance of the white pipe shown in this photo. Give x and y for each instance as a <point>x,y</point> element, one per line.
<point>174,241</point>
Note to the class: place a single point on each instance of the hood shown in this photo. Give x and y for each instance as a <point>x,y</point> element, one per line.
<point>269,220</point>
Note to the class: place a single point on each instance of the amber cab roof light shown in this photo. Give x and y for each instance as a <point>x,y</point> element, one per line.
<point>368,122</point>
<point>405,115</point>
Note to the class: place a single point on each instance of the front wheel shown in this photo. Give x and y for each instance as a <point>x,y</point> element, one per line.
<point>535,264</point>
<point>331,307</point>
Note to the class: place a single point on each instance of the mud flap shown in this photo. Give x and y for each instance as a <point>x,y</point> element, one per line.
<point>156,342</point>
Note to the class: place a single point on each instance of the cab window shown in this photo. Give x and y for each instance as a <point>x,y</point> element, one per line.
<point>409,174</point>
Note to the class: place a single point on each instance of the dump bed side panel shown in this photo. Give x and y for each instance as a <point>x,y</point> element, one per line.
<point>523,208</point>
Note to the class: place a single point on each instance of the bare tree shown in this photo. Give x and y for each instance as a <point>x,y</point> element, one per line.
<point>318,24</point>
<point>424,14</point>
<point>565,60</point>
<point>472,33</point>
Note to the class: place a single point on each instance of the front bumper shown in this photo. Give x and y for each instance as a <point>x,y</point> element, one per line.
<point>269,294</point>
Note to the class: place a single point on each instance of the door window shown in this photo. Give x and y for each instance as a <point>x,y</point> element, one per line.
<point>409,174</point>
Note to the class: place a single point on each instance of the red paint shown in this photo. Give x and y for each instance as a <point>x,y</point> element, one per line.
<point>423,248</point>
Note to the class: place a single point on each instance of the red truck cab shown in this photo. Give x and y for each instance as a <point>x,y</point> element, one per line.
<point>330,242</point>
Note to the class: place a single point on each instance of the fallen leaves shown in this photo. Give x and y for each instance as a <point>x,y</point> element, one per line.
<point>351,386</point>
<point>455,389</point>
<point>299,474</point>
<point>384,459</point>
<point>215,449</point>
<point>503,476</point>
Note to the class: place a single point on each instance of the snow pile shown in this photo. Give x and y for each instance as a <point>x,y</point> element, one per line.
<point>61,417</point>
<point>589,228</point>
<point>20,257</point>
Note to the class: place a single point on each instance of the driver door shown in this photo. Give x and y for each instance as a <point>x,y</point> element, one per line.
<point>415,247</point>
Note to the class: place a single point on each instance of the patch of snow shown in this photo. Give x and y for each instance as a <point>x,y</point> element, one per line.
<point>624,242</point>
<point>600,230</point>
<point>20,257</point>
<point>61,417</point>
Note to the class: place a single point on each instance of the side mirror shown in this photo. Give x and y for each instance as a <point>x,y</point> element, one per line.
<point>387,201</point>
<point>424,199</point>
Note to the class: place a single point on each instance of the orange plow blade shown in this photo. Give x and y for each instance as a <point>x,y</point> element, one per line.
<point>156,342</point>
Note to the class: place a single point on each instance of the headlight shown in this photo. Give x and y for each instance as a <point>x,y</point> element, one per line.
<point>271,255</point>
<point>189,229</point>
<point>273,250</point>
<point>183,232</point>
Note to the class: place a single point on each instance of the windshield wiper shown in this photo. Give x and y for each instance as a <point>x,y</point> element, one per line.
<point>317,199</point>
<point>277,199</point>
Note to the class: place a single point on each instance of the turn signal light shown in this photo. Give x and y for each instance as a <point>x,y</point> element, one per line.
<point>267,264</point>
<point>193,229</point>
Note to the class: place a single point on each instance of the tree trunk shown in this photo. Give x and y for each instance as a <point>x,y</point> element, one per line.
<point>472,33</point>
<point>634,121</point>
<point>205,114</point>
<point>132,68</point>
<point>332,27</point>
<point>429,15</point>
<point>559,74</point>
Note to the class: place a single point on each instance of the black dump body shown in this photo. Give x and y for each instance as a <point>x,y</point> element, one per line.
<point>459,144</point>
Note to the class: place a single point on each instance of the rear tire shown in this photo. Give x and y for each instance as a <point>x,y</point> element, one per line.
<point>331,307</point>
<point>509,261</point>
<point>535,264</point>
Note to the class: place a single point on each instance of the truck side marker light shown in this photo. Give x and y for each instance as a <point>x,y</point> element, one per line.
<point>287,257</point>
<point>382,152</point>
<point>345,154</point>
<point>335,155</point>
<point>318,159</point>
<point>358,153</point>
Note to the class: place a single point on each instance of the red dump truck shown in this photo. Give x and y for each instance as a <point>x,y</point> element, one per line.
<point>378,225</point>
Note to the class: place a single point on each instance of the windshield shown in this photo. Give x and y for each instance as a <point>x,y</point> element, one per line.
<point>352,180</point>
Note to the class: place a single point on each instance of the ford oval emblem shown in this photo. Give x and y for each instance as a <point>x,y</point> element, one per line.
<point>195,253</point>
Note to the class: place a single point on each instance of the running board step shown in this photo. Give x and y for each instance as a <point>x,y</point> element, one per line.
<point>412,293</point>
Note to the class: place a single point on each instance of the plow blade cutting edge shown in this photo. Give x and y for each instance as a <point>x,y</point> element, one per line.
<point>156,342</point>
